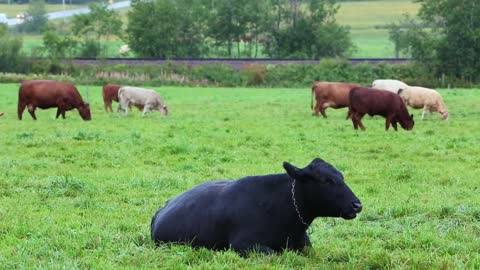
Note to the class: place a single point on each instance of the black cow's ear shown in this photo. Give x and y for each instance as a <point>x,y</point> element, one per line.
<point>293,171</point>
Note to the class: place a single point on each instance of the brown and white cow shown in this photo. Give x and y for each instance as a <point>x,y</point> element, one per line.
<point>51,94</point>
<point>110,93</point>
<point>330,94</point>
<point>142,98</point>
<point>379,102</point>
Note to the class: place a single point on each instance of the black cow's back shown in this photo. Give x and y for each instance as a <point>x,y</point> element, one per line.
<point>192,217</point>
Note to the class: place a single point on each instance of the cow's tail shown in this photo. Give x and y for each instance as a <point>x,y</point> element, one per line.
<point>21,103</point>
<point>312,97</point>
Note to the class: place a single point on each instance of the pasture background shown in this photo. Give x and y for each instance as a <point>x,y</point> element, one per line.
<point>77,194</point>
<point>366,19</point>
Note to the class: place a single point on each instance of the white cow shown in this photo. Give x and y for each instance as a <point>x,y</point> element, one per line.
<point>124,50</point>
<point>421,97</point>
<point>389,85</point>
<point>144,99</point>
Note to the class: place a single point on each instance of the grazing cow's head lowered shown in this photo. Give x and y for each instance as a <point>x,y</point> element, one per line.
<point>325,192</point>
<point>163,110</point>
<point>407,123</point>
<point>84,110</point>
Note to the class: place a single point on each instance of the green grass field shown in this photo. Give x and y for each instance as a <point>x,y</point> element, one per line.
<point>78,195</point>
<point>364,19</point>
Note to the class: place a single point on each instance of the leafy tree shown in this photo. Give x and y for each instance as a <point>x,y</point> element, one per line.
<point>307,29</point>
<point>167,28</point>
<point>59,46</point>
<point>36,20</point>
<point>258,20</point>
<point>229,22</point>
<point>96,26</point>
<point>10,56</point>
<point>445,37</point>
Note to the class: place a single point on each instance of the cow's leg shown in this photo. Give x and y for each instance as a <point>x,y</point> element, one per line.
<point>58,113</point>
<point>107,105</point>
<point>317,108</point>
<point>244,250</point>
<point>299,244</point>
<point>359,117</point>
<point>423,112</point>
<point>394,125</point>
<point>31,110</point>
<point>349,114</point>
<point>21,108</point>
<point>62,105</point>
<point>324,107</point>
<point>388,119</point>
<point>322,111</point>
<point>355,120</point>
<point>355,123</point>
<point>146,109</point>
<point>125,105</point>
<point>119,105</point>
<point>242,244</point>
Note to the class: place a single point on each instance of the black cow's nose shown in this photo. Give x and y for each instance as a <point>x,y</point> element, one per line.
<point>357,206</point>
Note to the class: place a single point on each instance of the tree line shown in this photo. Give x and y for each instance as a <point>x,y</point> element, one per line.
<point>236,28</point>
<point>444,38</point>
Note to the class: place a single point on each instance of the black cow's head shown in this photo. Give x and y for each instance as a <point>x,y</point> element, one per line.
<point>323,191</point>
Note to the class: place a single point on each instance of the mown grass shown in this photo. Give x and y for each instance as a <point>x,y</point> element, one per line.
<point>77,194</point>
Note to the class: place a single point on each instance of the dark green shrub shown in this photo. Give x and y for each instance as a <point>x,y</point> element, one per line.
<point>10,56</point>
<point>90,48</point>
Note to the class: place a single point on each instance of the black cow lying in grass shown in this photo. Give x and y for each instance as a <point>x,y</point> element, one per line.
<point>267,213</point>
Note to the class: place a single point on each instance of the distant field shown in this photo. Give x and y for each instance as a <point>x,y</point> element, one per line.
<point>80,195</point>
<point>13,9</point>
<point>362,17</point>
<point>33,42</point>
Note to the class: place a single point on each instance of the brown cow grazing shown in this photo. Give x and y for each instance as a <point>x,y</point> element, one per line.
<point>379,102</point>
<point>330,94</point>
<point>110,92</point>
<point>51,94</point>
